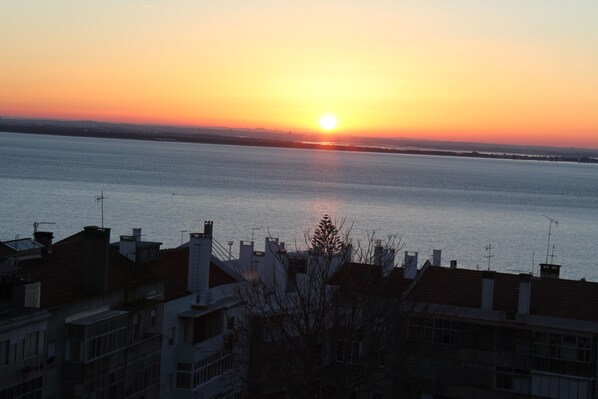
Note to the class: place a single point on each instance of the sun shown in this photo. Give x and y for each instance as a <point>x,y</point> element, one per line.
<point>327,122</point>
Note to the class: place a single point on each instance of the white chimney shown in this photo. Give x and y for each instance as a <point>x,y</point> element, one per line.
<point>127,247</point>
<point>200,253</point>
<point>525,289</point>
<point>245,258</point>
<point>487,290</point>
<point>384,257</point>
<point>410,267</point>
<point>436,254</point>
<point>137,233</point>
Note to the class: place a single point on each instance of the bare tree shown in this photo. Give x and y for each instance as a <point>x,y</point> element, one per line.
<point>322,324</point>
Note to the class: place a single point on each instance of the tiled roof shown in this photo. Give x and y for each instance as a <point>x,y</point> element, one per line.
<point>463,287</point>
<point>172,267</point>
<point>61,272</point>
<point>569,299</point>
<point>368,279</point>
<point>549,297</point>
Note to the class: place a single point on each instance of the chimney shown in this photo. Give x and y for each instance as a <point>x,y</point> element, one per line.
<point>95,263</point>
<point>548,270</point>
<point>487,290</point>
<point>410,267</point>
<point>453,264</point>
<point>525,289</point>
<point>272,270</point>
<point>378,253</point>
<point>137,233</point>
<point>436,254</point>
<point>200,253</point>
<point>384,257</point>
<point>128,247</point>
<point>208,227</point>
<point>245,257</point>
<point>45,239</point>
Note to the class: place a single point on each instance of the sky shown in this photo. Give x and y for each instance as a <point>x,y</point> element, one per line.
<point>508,71</point>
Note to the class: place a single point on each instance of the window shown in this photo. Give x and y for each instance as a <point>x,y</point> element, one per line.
<point>96,340</point>
<point>4,345</point>
<point>348,351</point>
<point>558,386</point>
<point>28,389</point>
<point>183,376</point>
<point>515,380</point>
<point>565,347</point>
<point>188,331</point>
<point>153,318</point>
<point>434,330</point>
<point>190,376</point>
<point>31,344</point>
<point>18,350</point>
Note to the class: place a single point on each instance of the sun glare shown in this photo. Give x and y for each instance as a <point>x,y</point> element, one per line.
<point>327,122</point>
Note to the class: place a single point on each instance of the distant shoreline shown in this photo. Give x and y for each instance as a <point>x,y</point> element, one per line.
<point>214,138</point>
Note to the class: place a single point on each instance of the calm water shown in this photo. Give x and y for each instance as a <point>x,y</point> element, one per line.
<point>457,205</point>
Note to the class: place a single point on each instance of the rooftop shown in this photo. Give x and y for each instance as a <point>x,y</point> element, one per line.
<point>553,297</point>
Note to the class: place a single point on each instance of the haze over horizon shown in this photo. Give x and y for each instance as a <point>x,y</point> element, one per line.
<point>506,73</point>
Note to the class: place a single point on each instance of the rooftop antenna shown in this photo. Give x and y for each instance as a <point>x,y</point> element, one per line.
<point>100,198</point>
<point>36,225</point>
<point>552,254</point>
<point>489,256</point>
<point>230,247</point>
<point>556,223</point>
<point>533,261</point>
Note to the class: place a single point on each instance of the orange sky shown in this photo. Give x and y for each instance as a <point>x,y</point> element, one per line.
<point>506,72</point>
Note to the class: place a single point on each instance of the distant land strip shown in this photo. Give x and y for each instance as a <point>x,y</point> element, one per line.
<point>100,131</point>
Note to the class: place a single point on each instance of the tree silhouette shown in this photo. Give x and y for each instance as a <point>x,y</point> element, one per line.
<point>326,238</point>
<point>299,336</point>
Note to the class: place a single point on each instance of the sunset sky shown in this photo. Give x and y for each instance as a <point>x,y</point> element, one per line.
<point>508,71</point>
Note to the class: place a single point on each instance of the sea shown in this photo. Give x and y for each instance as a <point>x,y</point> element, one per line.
<point>463,206</point>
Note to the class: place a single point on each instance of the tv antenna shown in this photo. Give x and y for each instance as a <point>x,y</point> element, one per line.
<point>552,254</point>
<point>550,222</point>
<point>100,198</point>
<point>36,225</point>
<point>489,256</point>
<point>230,247</point>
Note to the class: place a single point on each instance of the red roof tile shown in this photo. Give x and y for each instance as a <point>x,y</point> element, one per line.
<point>172,267</point>
<point>368,279</point>
<point>549,297</point>
<point>61,273</point>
